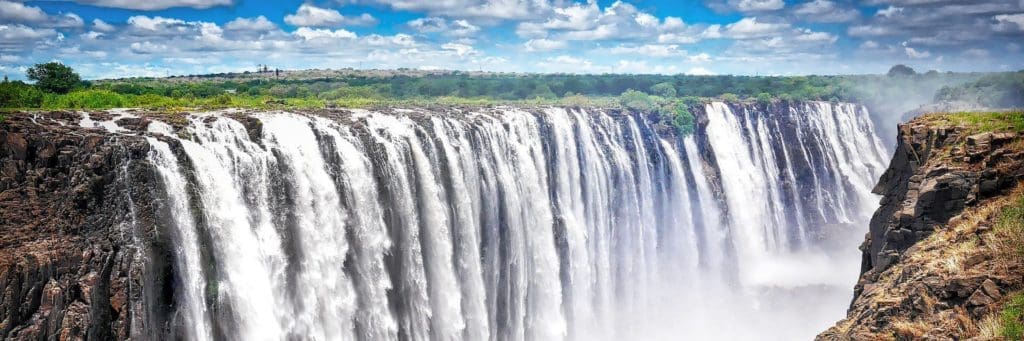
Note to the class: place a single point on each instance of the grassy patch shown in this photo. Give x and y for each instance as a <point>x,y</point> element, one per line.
<point>1008,234</point>
<point>1012,318</point>
<point>977,122</point>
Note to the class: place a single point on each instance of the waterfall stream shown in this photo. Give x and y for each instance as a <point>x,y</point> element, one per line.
<point>514,224</point>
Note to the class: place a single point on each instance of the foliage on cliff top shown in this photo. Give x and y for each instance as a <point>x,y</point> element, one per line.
<point>977,122</point>
<point>1012,318</point>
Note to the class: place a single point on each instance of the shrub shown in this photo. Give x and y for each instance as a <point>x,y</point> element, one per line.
<point>764,98</point>
<point>682,119</point>
<point>640,101</point>
<point>86,99</point>
<point>19,95</point>
<point>729,97</point>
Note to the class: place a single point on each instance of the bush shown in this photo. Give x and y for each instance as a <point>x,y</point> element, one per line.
<point>86,99</point>
<point>729,97</point>
<point>19,95</point>
<point>54,77</point>
<point>764,98</point>
<point>682,119</point>
<point>636,100</point>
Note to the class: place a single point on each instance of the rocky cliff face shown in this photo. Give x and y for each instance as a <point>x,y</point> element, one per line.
<point>933,267</point>
<point>70,268</point>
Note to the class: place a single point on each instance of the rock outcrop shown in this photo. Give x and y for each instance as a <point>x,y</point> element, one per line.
<point>71,263</point>
<point>930,267</point>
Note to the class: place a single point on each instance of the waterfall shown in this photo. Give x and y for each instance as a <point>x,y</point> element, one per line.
<point>508,223</point>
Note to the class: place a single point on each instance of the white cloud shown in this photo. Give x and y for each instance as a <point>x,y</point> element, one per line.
<point>257,24</point>
<point>749,28</point>
<point>914,53</point>
<point>102,26</point>
<point>825,11</point>
<point>700,58</point>
<point>155,24</point>
<point>479,9</point>
<point>455,28</point>
<point>314,33</point>
<point>889,12</point>
<point>759,5</point>
<point>699,71</point>
<point>147,48</point>
<point>869,45</point>
<point>459,49</point>
<point>544,45</point>
<point>310,15</point>
<point>18,12</point>
<point>618,21</point>
<point>153,5</point>
<point>653,50</point>
<point>1009,22</point>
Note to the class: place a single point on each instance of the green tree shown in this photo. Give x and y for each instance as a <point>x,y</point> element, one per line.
<point>54,77</point>
<point>901,70</point>
<point>682,119</point>
<point>664,89</point>
<point>764,98</point>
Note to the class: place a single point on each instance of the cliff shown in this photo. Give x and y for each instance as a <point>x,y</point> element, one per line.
<point>69,268</point>
<point>943,256</point>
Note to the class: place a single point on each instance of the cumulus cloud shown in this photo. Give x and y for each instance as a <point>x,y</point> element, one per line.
<point>16,12</point>
<point>618,21</point>
<point>454,28</point>
<point>826,11</point>
<point>316,33</point>
<point>18,38</point>
<point>748,28</point>
<point>257,24</point>
<point>477,9</point>
<point>746,6</point>
<point>1009,22</point>
<point>534,45</point>
<point>153,5</point>
<point>102,26</point>
<point>310,15</point>
<point>699,71</point>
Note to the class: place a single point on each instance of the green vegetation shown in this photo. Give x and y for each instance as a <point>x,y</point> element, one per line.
<point>1012,318</point>
<point>682,119</point>
<point>977,122</point>
<point>901,70</point>
<point>1000,90</point>
<point>1009,233</point>
<point>54,77</point>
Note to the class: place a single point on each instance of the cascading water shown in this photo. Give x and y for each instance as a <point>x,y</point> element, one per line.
<point>507,224</point>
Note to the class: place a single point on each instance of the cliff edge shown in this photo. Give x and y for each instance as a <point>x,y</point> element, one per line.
<point>944,256</point>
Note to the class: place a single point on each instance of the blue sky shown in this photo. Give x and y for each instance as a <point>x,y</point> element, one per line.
<point>122,38</point>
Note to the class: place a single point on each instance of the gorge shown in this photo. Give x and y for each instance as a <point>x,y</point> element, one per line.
<point>501,223</point>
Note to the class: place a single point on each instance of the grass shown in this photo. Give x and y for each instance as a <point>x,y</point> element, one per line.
<point>1008,233</point>
<point>977,122</point>
<point>907,330</point>
<point>1012,318</point>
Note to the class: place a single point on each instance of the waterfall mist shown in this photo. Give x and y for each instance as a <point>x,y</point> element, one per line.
<point>515,224</point>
